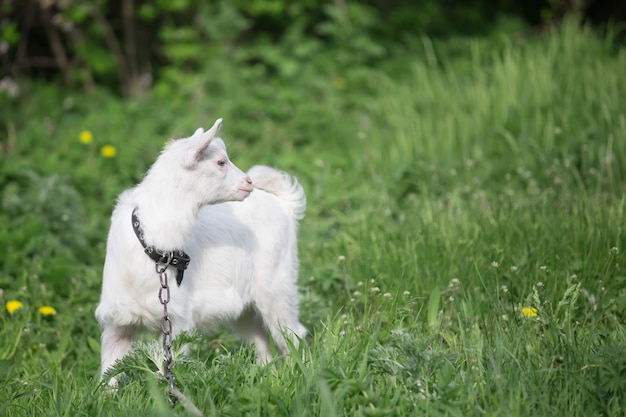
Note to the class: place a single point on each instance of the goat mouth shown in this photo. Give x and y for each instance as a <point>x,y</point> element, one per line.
<point>246,190</point>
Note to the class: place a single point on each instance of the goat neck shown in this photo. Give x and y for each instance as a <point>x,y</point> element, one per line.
<point>167,217</point>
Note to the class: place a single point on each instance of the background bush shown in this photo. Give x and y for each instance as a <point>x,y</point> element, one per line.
<point>128,45</point>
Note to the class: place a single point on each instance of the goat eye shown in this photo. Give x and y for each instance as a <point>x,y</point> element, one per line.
<point>221,162</point>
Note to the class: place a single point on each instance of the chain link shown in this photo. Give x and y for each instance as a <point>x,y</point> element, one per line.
<point>174,394</point>
<point>166,326</point>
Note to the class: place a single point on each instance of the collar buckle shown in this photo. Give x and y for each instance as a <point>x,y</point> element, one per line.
<point>176,258</point>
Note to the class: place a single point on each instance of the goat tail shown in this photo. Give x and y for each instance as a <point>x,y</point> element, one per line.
<point>282,185</point>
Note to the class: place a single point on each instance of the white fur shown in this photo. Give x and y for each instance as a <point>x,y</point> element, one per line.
<point>244,260</point>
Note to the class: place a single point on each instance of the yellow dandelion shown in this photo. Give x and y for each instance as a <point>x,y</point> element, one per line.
<point>13,305</point>
<point>529,312</point>
<point>47,311</point>
<point>108,151</point>
<point>86,137</point>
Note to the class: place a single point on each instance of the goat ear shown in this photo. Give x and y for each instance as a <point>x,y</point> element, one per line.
<point>214,130</point>
<point>208,136</point>
<point>198,144</point>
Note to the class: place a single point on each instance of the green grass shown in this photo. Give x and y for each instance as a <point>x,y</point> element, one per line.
<point>447,189</point>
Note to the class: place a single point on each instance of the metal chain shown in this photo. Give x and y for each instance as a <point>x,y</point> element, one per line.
<point>175,395</point>
<point>166,326</point>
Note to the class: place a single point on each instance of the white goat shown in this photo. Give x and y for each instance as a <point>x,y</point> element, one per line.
<point>244,261</point>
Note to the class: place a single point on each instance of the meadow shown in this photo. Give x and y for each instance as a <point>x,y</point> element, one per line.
<point>462,252</point>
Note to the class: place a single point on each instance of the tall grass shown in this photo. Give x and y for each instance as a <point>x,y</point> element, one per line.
<point>462,252</point>
<point>524,105</point>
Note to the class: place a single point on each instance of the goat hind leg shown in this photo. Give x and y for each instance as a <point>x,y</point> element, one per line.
<point>250,326</point>
<point>281,320</point>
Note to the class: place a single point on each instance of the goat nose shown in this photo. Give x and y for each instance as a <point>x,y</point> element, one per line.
<point>248,179</point>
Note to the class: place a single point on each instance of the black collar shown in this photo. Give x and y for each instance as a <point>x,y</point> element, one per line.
<point>177,258</point>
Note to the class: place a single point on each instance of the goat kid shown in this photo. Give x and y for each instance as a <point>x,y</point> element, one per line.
<point>244,262</point>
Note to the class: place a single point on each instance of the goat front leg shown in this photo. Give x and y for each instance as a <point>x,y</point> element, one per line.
<point>116,342</point>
